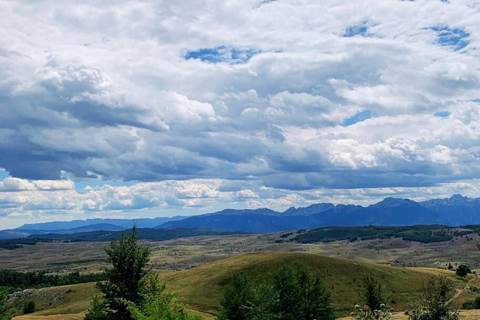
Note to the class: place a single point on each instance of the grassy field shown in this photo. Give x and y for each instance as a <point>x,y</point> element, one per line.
<point>199,268</point>
<point>185,253</point>
<point>201,288</point>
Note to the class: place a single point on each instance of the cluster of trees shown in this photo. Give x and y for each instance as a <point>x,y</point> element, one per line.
<point>23,280</point>
<point>12,244</point>
<point>291,294</point>
<point>425,234</point>
<point>131,292</point>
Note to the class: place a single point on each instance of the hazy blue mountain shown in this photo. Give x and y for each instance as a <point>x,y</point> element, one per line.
<point>456,210</point>
<point>230,212</point>
<point>310,210</point>
<point>123,223</point>
<point>389,212</point>
<point>247,222</point>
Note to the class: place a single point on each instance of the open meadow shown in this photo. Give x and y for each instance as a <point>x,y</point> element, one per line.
<point>199,268</point>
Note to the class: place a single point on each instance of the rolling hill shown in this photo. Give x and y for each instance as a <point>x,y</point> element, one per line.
<point>202,288</point>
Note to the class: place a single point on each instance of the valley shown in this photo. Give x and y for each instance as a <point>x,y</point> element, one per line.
<point>197,268</point>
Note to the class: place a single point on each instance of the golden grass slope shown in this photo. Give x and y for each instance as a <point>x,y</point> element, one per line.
<point>202,288</point>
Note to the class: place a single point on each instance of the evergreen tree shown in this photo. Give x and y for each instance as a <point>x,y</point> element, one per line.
<point>125,282</point>
<point>301,296</point>
<point>238,295</point>
<point>293,295</point>
<point>373,292</point>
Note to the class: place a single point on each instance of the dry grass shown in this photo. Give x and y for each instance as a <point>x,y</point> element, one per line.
<point>78,316</point>
<point>202,287</point>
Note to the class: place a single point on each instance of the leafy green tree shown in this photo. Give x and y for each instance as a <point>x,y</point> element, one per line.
<point>125,282</point>
<point>462,270</point>
<point>5,313</point>
<point>159,305</point>
<point>300,295</point>
<point>373,292</point>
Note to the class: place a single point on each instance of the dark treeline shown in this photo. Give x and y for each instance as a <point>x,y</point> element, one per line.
<point>154,234</point>
<point>23,280</point>
<point>12,244</point>
<point>425,233</point>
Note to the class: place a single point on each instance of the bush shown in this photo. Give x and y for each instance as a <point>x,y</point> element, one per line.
<point>375,304</point>
<point>373,292</point>
<point>438,291</point>
<point>473,304</point>
<point>29,307</point>
<point>159,305</point>
<point>463,270</point>
<point>366,313</point>
<point>5,313</point>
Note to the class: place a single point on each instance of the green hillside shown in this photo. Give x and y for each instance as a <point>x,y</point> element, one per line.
<point>203,286</point>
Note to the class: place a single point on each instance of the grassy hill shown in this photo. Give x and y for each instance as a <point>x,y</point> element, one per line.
<point>202,287</point>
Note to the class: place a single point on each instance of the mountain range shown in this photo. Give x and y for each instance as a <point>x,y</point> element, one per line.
<point>454,211</point>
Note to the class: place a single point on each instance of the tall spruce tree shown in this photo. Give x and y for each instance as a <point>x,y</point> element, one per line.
<point>126,280</point>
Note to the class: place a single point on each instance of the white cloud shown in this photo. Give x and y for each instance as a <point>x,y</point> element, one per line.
<point>106,88</point>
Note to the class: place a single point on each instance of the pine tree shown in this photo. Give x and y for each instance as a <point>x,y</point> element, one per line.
<point>125,282</point>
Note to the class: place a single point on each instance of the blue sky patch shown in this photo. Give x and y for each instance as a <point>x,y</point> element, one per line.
<point>360,29</point>
<point>455,38</point>
<point>3,174</point>
<point>361,116</point>
<point>226,54</point>
<point>442,114</point>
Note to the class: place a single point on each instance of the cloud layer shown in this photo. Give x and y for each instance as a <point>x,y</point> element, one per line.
<point>278,103</point>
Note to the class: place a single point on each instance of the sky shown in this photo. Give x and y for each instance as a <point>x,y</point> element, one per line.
<point>161,108</point>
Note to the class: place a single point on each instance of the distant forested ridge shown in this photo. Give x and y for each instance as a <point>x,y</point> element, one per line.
<point>143,234</point>
<point>25,280</point>
<point>421,233</point>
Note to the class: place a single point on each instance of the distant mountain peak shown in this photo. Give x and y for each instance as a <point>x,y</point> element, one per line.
<point>393,202</point>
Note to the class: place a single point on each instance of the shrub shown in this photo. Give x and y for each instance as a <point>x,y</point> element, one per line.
<point>5,313</point>
<point>438,291</point>
<point>29,307</point>
<point>463,270</point>
<point>473,304</point>
<point>366,313</point>
<point>159,305</point>
<point>373,292</point>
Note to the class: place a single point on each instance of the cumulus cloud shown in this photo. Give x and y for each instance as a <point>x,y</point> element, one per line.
<point>293,97</point>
